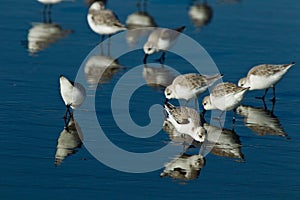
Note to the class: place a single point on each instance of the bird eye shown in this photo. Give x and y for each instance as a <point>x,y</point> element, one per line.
<point>242,84</point>
<point>204,103</point>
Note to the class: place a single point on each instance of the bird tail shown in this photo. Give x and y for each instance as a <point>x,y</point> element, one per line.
<point>287,66</point>
<point>213,78</point>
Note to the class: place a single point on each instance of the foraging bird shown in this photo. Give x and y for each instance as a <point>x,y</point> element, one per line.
<point>265,76</point>
<point>161,39</point>
<point>225,97</point>
<point>186,121</point>
<point>73,94</point>
<point>189,86</point>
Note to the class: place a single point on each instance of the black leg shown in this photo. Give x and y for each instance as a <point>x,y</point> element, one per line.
<point>66,118</point>
<point>233,119</point>
<point>102,38</point>
<point>273,106</point>
<point>274,95</point>
<point>263,97</point>
<point>203,113</point>
<point>49,14</point>
<point>44,14</point>
<point>162,58</point>
<point>145,58</point>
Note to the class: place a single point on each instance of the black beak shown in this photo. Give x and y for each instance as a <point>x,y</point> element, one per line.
<point>166,101</point>
<point>145,58</point>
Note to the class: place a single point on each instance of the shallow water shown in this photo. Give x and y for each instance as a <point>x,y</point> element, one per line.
<point>241,34</point>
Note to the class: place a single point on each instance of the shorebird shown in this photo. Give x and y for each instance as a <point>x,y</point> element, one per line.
<point>265,76</point>
<point>161,39</point>
<point>185,120</point>
<point>225,97</point>
<point>189,86</point>
<point>103,21</point>
<point>73,94</point>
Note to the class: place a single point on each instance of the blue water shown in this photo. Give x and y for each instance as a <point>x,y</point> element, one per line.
<point>241,34</point>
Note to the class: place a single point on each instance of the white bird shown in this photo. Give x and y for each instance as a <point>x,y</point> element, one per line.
<point>185,120</point>
<point>189,86</point>
<point>225,97</point>
<point>161,39</point>
<point>73,94</point>
<point>265,76</point>
<point>103,21</point>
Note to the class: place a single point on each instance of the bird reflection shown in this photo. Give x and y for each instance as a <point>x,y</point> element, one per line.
<point>69,140</point>
<point>226,143</point>
<point>261,121</point>
<point>101,68</point>
<point>184,167</point>
<point>157,77</point>
<point>90,2</point>
<point>200,14</point>
<point>41,35</point>
<point>137,23</point>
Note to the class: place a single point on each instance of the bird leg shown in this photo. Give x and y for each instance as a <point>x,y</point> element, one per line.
<point>233,119</point>
<point>162,58</point>
<point>274,95</point>
<point>44,14</point>
<point>66,119</point>
<point>50,14</point>
<point>263,97</point>
<point>145,58</point>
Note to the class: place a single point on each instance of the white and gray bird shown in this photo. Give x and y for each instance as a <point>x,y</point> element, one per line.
<point>186,121</point>
<point>73,95</point>
<point>161,39</point>
<point>190,86</point>
<point>265,76</point>
<point>103,21</point>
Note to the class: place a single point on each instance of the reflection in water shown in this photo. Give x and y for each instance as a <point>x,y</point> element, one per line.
<point>68,141</point>
<point>157,77</point>
<point>137,21</point>
<point>184,167</point>
<point>200,14</point>
<point>100,69</point>
<point>261,121</point>
<point>41,35</point>
<point>226,142</point>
